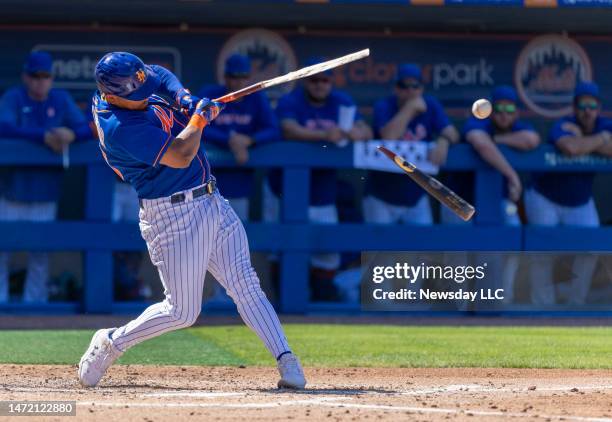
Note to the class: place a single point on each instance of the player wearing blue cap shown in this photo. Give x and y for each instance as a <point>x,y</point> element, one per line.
<point>244,123</point>
<point>316,112</point>
<point>153,143</point>
<point>408,115</point>
<point>503,127</point>
<point>567,198</point>
<point>38,113</point>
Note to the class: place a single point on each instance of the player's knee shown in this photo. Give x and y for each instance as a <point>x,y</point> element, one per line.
<point>187,319</point>
<point>192,318</point>
<point>182,318</point>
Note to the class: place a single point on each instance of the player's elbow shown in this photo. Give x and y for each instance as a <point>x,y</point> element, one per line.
<point>180,153</point>
<point>569,149</point>
<point>178,159</point>
<point>531,141</point>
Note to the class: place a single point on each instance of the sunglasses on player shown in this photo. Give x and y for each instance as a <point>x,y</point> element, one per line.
<point>504,108</point>
<point>587,105</point>
<point>39,75</point>
<point>413,85</point>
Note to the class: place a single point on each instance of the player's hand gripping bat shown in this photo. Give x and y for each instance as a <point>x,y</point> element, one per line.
<point>292,76</point>
<point>436,189</point>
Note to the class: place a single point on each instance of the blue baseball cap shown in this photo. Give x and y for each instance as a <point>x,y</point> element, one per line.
<point>504,92</point>
<point>409,70</point>
<point>237,65</point>
<point>38,62</point>
<point>316,60</point>
<point>586,88</point>
<point>126,76</point>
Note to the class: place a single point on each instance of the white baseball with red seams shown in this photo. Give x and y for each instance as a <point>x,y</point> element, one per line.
<point>482,108</point>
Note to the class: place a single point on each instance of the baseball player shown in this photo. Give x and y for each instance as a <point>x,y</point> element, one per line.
<point>567,198</point>
<point>312,113</point>
<point>38,113</point>
<point>503,127</point>
<point>188,227</point>
<point>244,123</point>
<point>408,115</point>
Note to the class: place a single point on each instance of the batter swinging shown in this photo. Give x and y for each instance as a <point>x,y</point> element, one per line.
<point>150,128</point>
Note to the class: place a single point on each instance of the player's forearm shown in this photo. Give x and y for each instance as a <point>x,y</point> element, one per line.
<point>490,153</point>
<point>396,127</point>
<point>296,132</point>
<point>170,85</point>
<point>580,145</point>
<point>10,130</point>
<point>183,148</point>
<point>450,133</point>
<point>524,140</point>
<point>363,132</point>
<point>605,149</point>
<point>496,159</point>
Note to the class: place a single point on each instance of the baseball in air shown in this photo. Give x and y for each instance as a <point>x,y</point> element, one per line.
<point>482,108</point>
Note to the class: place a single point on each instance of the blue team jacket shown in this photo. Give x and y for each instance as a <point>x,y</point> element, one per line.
<point>23,118</point>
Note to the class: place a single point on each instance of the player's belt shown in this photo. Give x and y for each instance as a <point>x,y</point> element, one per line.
<point>206,189</point>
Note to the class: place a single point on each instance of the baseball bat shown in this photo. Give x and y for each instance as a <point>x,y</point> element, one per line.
<point>292,76</point>
<point>436,189</point>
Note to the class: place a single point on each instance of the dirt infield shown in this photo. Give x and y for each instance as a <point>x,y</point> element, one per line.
<point>150,393</point>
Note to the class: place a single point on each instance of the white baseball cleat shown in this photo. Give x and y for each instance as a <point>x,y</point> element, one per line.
<point>290,370</point>
<point>99,356</point>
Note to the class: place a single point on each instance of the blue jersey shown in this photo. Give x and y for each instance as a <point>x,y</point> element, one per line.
<point>568,189</point>
<point>295,106</point>
<point>134,141</point>
<point>463,183</point>
<point>251,116</point>
<point>395,188</point>
<point>24,118</point>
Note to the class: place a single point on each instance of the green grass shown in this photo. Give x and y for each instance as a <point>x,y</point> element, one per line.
<point>339,346</point>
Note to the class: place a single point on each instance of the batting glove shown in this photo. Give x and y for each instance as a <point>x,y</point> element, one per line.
<point>186,101</point>
<point>208,109</point>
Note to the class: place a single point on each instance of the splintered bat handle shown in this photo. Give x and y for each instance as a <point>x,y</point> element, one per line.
<point>233,96</point>
<point>436,189</point>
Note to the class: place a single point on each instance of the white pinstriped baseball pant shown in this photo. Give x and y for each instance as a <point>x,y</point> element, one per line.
<point>184,241</point>
<point>35,288</point>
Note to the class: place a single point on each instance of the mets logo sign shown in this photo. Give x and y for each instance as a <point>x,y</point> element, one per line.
<point>270,56</point>
<point>141,76</point>
<point>546,73</point>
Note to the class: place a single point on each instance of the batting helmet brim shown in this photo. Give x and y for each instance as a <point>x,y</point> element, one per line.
<point>151,84</point>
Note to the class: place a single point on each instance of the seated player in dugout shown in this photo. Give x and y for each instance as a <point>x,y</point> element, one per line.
<point>244,123</point>
<point>312,113</point>
<point>556,199</point>
<point>503,127</point>
<point>36,112</point>
<point>408,115</point>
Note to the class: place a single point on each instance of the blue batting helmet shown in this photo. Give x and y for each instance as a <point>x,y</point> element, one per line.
<point>125,75</point>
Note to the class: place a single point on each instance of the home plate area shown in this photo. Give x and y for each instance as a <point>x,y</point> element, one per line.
<point>164,393</point>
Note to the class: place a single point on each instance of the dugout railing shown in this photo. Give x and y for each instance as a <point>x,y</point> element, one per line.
<point>293,238</point>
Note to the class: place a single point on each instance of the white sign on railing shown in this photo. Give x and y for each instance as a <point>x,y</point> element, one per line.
<point>367,156</point>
